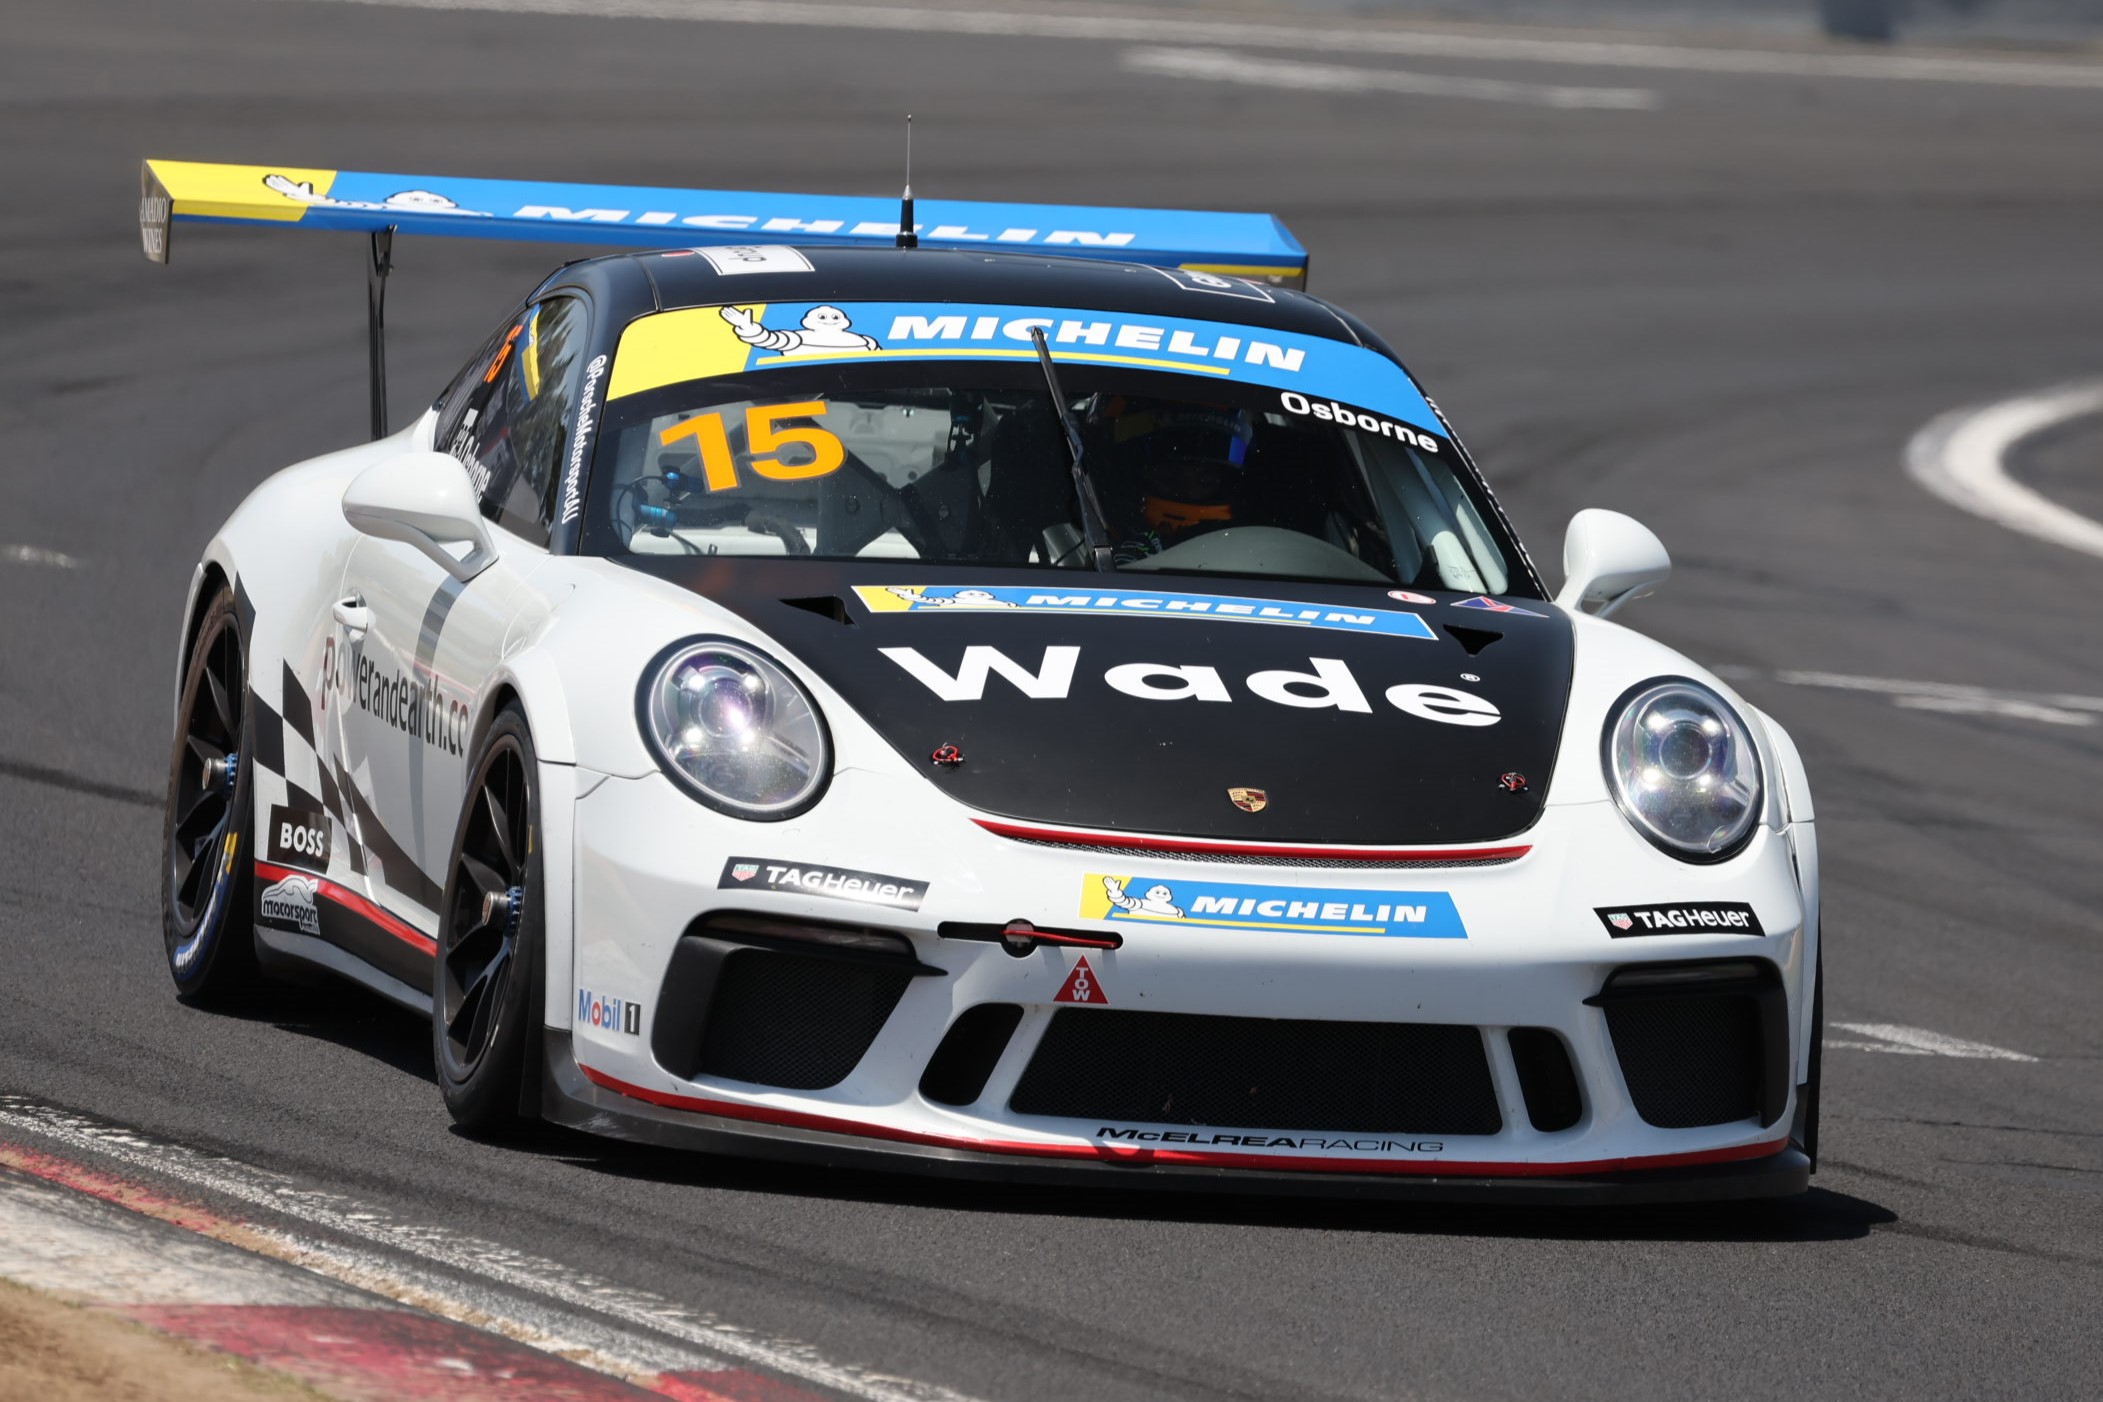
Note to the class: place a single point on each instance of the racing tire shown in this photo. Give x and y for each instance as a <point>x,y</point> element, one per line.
<point>208,822</point>
<point>487,978</point>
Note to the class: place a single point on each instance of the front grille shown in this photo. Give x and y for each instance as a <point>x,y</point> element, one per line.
<point>1689,1061</point>
<point>1360,862</point>
<point>1260,1073</point>
<point>797,1021</point>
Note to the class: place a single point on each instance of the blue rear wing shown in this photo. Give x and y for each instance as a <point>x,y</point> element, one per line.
<point>1253,246</point>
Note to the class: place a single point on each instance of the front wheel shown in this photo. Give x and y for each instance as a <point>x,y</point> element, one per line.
<point>487,984</point>
<point>207,920</point>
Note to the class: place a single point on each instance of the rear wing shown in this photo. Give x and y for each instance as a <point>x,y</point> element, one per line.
<point>1243,245</point>
<point>1253,246</point>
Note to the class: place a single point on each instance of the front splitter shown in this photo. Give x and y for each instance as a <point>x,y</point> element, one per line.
<point>570,1097</point>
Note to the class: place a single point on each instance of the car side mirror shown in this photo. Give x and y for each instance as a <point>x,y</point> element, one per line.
<point>424,500</point>
<point>1609,559</point>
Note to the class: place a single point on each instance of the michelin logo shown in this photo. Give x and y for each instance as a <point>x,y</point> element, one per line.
<point>1291,909</point>
<point>826,330</point>
<point>290,902</point>
<point>401,202</point>
<point>1195,340</point>
<point>1288,613</point>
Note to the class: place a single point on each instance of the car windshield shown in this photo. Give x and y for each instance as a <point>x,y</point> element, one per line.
<point>967,462</point>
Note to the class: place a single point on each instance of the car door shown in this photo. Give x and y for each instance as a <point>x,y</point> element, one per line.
<point>422,658</point>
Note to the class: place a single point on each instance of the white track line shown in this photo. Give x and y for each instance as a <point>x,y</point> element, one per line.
<point>517,1272</point>
<point>1314,35</point>
<point>1919,1041</point>
<point>1962,457</point>
<point>37,555</point>
<point>2053,708</point>
<point>1220,66</point>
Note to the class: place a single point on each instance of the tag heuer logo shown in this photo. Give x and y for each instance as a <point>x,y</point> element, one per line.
<point>1619,922</point>
<point>1248,800</point>
<point>745,871</point>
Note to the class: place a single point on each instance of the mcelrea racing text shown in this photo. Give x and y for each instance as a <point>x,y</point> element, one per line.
<point>1274,1141</point>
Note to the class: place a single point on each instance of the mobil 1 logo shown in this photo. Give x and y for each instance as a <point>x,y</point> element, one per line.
<point>299,837</point>
<point>1680,918</point>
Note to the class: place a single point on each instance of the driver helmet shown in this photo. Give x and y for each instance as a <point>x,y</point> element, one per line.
<point>1186,459</point>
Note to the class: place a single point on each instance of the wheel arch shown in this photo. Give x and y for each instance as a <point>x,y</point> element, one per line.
<point>532,680</point>
<point>213,573</point>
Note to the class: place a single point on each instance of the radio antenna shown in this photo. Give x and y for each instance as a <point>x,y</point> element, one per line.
<point>907,238</point>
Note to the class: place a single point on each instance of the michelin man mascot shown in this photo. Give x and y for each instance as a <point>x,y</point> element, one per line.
<point>825,332</point>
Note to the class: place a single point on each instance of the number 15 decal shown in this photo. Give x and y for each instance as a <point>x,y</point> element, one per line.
<point>763,435</point>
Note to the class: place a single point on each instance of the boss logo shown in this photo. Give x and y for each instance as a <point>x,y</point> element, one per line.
<point>299,837</point>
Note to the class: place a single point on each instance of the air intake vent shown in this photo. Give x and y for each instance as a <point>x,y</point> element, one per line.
<point>1260,1073</point>
<point>798,1021</point>
<point>1689,1061</point>
<point>1700,1044</point>
<point>1546,1078</point>
<point>956,1074</point>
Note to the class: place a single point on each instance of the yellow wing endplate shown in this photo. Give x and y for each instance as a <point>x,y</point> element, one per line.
<point>242,194</point>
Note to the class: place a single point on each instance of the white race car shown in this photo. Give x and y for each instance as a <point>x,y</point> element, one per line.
<point>961,708</point>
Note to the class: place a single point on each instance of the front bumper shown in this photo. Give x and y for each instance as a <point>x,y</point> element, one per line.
<point>1533,955</point>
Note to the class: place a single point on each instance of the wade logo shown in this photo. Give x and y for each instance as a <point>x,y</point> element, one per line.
<point>1328,684</point>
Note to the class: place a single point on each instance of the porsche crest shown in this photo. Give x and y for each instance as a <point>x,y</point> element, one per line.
<point>1248,800</point>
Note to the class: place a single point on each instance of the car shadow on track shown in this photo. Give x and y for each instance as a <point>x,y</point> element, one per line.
<point>330,1010</point>
<point>1819,1215</point>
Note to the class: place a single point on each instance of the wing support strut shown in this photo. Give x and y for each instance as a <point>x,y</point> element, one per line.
<point>380,264</point>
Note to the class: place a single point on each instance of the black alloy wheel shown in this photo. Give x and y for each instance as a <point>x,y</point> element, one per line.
<point>486,998</point>
<point>206,905</point>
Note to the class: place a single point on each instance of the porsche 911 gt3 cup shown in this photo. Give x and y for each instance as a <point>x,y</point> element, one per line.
<point>1031,707</point>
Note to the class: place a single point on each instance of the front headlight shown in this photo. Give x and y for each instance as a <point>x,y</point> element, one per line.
<point>732,727</point>
<point>1683,768</point>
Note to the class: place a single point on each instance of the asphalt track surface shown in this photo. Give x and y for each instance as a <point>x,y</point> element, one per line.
<point>1724,314</point>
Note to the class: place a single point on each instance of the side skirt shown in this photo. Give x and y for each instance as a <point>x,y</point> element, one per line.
<point>349,935</point>
<point>320,954</point>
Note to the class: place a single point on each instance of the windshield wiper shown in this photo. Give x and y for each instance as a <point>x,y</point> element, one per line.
<point>1092,528</point>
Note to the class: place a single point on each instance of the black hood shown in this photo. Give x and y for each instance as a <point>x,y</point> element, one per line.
<point>1411,756</point>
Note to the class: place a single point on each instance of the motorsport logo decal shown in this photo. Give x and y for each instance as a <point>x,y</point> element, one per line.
<point>609,1014</point>
<point>299,837</point>
<point>1294,909</point>
<point>289,904</point>
<point>867,887</point>
<point>1489,605</point>
<point>1680,918</point>
<point>952,598</point>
